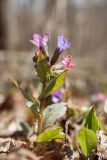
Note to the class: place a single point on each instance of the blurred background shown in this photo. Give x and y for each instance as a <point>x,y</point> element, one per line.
<point>83,22</point>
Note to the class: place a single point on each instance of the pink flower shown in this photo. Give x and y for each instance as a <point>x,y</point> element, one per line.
<point>40,41</point>
<point>67,62</point>
<point>100,97</point>
<point>45,38</point>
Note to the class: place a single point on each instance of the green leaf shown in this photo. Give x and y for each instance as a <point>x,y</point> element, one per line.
<point>91,121</point>
<point>52,113</point>
<point>54,85</point>
<point>30,100</point>
<point>43,69</point>
<point>25,128</point>
<point>51,135</point>
<point>87,140</point>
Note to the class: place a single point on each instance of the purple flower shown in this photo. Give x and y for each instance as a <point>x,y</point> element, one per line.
<point>40,41</point>
<point>63,43</point>
<point>57,96</point>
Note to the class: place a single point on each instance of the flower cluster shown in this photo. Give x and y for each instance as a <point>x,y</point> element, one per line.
<point>67,62</point>
<point>41,43</point>
<point>52,76</point>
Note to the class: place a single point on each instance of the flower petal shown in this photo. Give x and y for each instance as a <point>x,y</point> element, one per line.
<point>63,43</point>
<point>40,41</point>
<point>67,62</point>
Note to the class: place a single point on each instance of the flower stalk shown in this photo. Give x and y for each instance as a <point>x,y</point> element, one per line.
<point>51,75</point>
<point>40,116</point>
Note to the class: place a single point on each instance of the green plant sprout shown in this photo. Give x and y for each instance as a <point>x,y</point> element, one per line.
<point>87,136</point>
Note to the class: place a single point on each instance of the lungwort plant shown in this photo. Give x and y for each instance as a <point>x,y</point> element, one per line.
<point>52,76</point>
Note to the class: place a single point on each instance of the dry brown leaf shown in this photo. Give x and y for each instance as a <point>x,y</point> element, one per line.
<point>6,145</point>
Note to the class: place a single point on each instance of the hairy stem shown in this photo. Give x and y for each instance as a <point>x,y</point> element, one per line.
<point>40,115</point>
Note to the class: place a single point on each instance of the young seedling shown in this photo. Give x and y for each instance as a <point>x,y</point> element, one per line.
<point>87,136</point>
